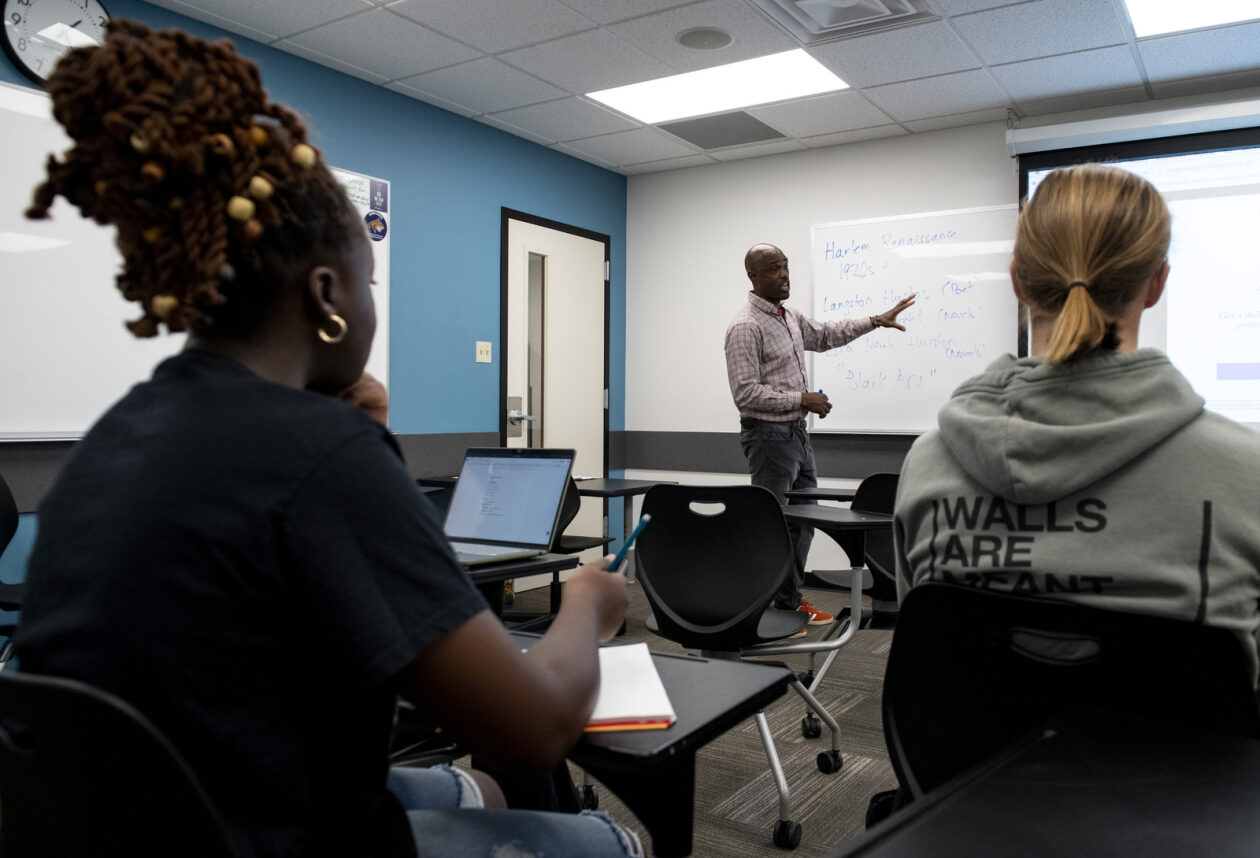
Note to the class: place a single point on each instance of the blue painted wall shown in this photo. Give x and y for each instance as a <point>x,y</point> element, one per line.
<point>450,177</point>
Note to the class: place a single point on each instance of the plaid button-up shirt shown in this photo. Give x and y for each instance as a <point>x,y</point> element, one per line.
<point>765,356</point>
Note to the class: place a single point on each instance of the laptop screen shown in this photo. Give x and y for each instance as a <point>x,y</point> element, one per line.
<point>509,495</point>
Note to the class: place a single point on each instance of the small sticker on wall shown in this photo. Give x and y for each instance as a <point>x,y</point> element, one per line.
<point>376,225</point>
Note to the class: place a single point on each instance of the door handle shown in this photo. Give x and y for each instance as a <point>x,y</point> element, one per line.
<point>516,418</point>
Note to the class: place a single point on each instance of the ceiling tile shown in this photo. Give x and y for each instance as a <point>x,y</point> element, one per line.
<point>1208,85</point>
<point>384,44</point>
<point>265,22</point>
<point>938,96</point>
<point>587,62</point>
<point>331,62</point>
<point>1084,101</point>
<point>896,55</point>
<point>753,35</point>
<point>611,11</point>
<point>822,114</point>
<point>512,129</point>
<point>483,86</point>
<point>492,25</point>
<point>667,164</point>
<point>1082,72</point>
<point>1204,52</point>
<point>1041,29</point>
<point>429,98</point>
<point>957,120</point>
<point>598,162</point>
<point>567,119</point>
<point>631,147</point>
<point>757,150</point>
<point>822,141</point>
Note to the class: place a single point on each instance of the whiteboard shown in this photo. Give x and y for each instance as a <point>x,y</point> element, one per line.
<point>65,355</point>
<point>965,313</point>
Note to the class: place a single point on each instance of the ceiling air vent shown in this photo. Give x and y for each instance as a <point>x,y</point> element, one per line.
<point>816,21</point>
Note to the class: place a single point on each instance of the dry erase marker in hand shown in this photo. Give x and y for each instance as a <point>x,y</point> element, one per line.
<point>625,546</point>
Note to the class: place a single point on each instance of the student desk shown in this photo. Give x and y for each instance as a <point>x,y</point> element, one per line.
<point>653,771</point>
<point>616,488</point>
<point>489,578</point>
<point>1090,783</point>
<point>821,493</point>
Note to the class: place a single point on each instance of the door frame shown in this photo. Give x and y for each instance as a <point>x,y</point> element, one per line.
<point>506,215</point>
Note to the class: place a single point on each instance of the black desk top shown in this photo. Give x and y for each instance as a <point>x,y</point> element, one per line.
<point>1091,784</point>
<point>709,697</point>
<point>489,573</point>
<point>836,517</point>
<point>821,493</point>
<point>615,488</point>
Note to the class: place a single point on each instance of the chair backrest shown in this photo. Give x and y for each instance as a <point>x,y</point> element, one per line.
<point>711,560</point>
<point>970,671</point>
<point>877,493</point>
<point>83,773</point>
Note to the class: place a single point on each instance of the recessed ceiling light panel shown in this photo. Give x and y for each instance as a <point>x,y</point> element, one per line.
<point>1154,17</point>
<point>778,77</point>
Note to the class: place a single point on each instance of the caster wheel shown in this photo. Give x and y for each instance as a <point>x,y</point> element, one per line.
<point>590,798</point>
<point>787,834</point>
<point>811,728</point>
<point>830,762</point>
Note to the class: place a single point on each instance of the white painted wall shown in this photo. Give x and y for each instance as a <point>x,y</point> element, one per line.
<point>687,231</point>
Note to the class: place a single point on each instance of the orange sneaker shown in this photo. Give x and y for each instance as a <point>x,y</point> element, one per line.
<point>816,617</point>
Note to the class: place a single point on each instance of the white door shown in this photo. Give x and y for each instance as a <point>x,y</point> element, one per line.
<point>554,351</point>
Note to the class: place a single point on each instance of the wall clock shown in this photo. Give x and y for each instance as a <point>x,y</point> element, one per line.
<point>37,32</point>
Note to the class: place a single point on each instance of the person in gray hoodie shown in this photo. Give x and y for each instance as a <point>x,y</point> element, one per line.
<point>1088,472</point>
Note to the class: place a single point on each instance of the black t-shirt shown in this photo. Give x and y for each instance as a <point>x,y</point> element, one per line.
<point>250,566</point>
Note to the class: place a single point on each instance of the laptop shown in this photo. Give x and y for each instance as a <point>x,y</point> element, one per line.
<point>506,503</point>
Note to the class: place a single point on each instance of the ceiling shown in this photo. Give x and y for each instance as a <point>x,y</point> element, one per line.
<point>523,66</point>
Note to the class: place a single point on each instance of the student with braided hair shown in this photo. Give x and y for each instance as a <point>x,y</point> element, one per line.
<point>1090,471</point>
<point>235,548</point>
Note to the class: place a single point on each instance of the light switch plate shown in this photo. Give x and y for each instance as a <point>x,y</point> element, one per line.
<point>483,351</point>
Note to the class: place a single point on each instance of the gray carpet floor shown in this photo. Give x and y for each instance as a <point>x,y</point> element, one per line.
<point>736,804</point>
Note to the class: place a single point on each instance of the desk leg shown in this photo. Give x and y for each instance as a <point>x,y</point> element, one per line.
<point>627,526</point>
<point>663,802</point>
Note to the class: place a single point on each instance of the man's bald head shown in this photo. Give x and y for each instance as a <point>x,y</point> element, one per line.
<point>767,270</point>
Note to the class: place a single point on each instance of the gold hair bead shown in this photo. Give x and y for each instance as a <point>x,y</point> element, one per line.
<point>303,156</point>
<point>253,228</point>
<point>260,188</point>
<point>140,143</point>
<point>100,187</point>
<point>240,208</point>
<point>164,305</point>
<point>152,171</point>
<point>152,235</point>
<point>258,135</point>
<point>221,144</point>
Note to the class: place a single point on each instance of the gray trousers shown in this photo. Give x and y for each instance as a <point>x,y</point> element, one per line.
<point>780,457</point>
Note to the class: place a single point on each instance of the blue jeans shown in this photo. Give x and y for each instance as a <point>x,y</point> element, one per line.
<point>433,798</point>
<point>780,457</point>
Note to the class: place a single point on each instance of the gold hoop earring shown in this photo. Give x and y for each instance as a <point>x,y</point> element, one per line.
<point>333,339</point>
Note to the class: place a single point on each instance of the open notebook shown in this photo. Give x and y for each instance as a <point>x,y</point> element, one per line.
<point>631,694</point>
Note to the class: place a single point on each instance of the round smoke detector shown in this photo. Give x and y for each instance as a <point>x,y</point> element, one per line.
<point>704,38</point>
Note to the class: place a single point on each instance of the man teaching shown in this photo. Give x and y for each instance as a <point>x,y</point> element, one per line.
<point>765,364</point>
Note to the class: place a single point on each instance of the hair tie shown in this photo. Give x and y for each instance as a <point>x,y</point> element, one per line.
<point>1076,283</point>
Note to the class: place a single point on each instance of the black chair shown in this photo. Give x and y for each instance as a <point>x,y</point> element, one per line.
<point>10,594</point>
<point>971,671</point>
<point>568,543</point>
<point>83,773</point>
<point>709,564</point>
<point>876,493</point>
